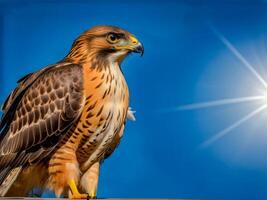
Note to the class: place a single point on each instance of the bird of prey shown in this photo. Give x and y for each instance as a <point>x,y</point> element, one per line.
<point>62,121</point>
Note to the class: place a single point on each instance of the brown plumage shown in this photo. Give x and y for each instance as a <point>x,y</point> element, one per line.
<point>62,121</point>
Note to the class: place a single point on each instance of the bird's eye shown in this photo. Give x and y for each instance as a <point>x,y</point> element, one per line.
<point>112,38</point>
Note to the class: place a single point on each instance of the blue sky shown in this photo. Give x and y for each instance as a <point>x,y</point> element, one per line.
<point>185,62</point>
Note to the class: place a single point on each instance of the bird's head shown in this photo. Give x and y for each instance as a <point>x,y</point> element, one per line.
<point>104,42</point>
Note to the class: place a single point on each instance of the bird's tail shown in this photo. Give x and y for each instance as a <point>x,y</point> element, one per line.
<point>7,177</point>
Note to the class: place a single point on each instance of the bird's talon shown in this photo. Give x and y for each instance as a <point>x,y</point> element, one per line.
<point>75,193</point>
<point>92,197</point>
<point>79,196</point>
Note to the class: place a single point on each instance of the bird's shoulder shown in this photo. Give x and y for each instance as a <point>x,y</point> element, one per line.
<point>59,69</point>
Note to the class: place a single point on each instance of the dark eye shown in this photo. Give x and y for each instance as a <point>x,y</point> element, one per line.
<point>112,38</point>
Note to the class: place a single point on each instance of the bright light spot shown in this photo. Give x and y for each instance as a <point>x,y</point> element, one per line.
<point>260,100</point>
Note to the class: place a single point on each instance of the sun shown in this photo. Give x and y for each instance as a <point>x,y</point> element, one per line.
<point>261,99</point>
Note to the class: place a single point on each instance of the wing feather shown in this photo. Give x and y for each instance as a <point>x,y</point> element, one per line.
<point>39,113</point>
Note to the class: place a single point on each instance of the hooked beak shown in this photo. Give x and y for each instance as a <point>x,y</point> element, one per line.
<point>139,48</point>
<point>133,45</point>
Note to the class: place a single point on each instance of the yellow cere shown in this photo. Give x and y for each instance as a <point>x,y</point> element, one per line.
<point>133,39</point>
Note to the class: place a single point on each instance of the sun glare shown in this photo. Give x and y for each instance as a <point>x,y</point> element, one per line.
<point>261,99</point>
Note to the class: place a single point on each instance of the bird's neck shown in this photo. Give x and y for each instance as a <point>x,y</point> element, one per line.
<point>78,55</point>
<point>94,61</point>
<point>94,58</point>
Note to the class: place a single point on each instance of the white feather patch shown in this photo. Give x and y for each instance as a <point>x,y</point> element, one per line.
<point>130,114</point>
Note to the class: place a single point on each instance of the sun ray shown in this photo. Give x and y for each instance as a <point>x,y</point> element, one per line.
<point>220,102</point>
<point>236,100</point>
<point>232,127</point>
<point>240,57</point>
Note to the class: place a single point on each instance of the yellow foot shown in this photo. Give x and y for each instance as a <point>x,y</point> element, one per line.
<point>92,195</point>
<point>79,196</point>
<point>74,193</point>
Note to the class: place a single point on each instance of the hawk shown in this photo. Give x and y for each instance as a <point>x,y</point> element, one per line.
<point>62,121</point>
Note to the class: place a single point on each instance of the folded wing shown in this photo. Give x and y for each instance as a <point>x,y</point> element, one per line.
<point>38,114</point>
